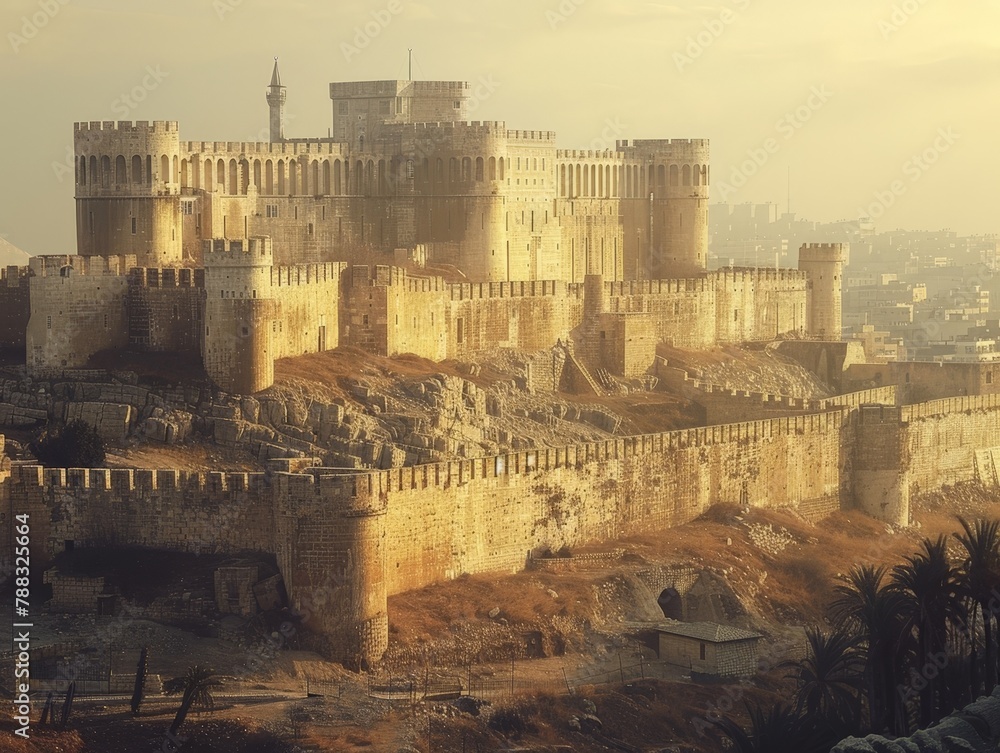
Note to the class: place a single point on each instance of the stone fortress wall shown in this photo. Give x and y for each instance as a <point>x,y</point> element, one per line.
<point>242,311</point>
<point>402,167</point>
<point>345,541</point>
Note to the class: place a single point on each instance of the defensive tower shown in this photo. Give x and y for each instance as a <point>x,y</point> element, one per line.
<point>823,263</point>
<point>239,314</point>
<point>128,191</point>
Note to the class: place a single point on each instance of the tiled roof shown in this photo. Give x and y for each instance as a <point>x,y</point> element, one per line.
<point>707,631</point>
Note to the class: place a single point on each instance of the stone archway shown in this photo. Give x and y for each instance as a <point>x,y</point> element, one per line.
<point>671,603</point>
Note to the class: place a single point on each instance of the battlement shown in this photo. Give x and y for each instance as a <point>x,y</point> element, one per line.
<point>465,291</point>
<point>823,252</point>
<point>662,143</point>
<point>244,148</point>
<point>126,126</point>
<point>88,266</point>
<point>252,252</point>
<point>13,275</point>
<point>760,274</point>
<point>307,274</point>
<point>620,289</point>
<point>539,136</point>
<point>167,277</point>
<point>575,154</point>
<point>951,405</point>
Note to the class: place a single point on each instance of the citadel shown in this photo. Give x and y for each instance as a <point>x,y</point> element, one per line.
<point>247,253</point>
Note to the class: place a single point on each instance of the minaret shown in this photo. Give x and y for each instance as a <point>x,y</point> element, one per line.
<point>276,101</point>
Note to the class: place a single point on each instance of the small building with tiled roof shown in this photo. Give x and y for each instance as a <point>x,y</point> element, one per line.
<point>708,648</point>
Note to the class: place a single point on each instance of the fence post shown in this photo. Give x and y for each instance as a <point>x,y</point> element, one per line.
<point>621,669</point>
<point>642,668</point>
<point>566,678</point>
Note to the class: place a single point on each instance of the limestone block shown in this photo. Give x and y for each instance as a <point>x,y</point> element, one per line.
<point>274,412</point>
<point>228,431</point>
<point>111,420</point>
<point>250,408</point>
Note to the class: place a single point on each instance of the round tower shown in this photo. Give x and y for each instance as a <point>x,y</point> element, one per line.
<point>670,213</point>
<point>276,102</point>
<point>823,264</point>
<point>239,314</point>
<point>128,191</point>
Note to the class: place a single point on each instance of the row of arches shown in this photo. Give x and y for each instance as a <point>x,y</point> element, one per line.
<point>336,177</point>
<point>106,171</point>
<point>626,181</point>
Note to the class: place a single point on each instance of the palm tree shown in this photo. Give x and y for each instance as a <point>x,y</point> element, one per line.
<point>196,686</point>
<point>980,576</point>
<point>828,680</point>
<point>779,730</point>
<point>932,602</point>
<point>868,608</point>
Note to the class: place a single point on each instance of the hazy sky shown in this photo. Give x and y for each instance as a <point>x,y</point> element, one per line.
<point>845,94</point>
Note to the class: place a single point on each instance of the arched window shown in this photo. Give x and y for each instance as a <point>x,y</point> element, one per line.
<point>281,177</point>
<point>369,177</point>
<point>304,172</point>
<point>208,175</point>
<point>359,178</point>
<point>220,176</point>
<point>674,175</point>
<point>466,169</point>
<point>493,168</point>
<point>381,178</point>
<point>500,166</point>
<point>164,169</point>
<point>269,178</point>
<point>175,172</point>
<point>326,177</point>
<point>293,177</point>
<point>184,173</point>
<point>244,176</point>
<point>81,176</point>
<point>257,177</point>
<point>149,169</point>
<point>453,170</point>
<point>562,180</point>
<point>196,173</point>
<point>479,169</point>
<point>314,178</point>
<point>661,174</point>
<point>120,177</point>
<point>233,183</point>
<point>93,171</point>
<point>439,170</point>
<point>105,171</point>
<point>697,175</point>
<point>586,180</point>
<point>686,175</point>
<point>337,178</point>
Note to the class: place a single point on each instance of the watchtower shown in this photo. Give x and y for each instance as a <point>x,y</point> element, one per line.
<point>823,263</point>
<point>128,190</point>
<point>239,314</point>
